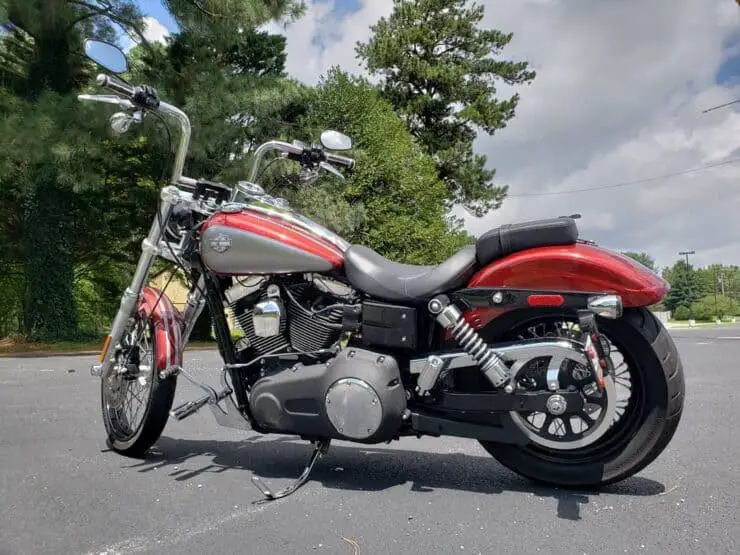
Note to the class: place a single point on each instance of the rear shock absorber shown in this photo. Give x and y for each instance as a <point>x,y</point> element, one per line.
<point>450,318</point>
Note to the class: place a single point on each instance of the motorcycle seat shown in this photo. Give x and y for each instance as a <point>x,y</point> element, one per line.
<point>384,279</point>
<point>508,239</point>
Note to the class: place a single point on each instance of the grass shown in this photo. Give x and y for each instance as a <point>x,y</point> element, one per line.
<point>10,347</point>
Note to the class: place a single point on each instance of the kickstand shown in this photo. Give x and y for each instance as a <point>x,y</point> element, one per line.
<point>320,449</point>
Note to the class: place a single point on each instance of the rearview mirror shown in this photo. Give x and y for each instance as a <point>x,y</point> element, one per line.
<point>107,55</point>
<point>334,140</point>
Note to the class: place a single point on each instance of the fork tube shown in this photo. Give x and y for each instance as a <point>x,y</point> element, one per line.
<point>129,300</point>
<point>196,303</point>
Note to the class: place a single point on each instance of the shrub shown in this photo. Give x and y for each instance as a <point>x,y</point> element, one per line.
<point>681,313</point>
<point>708,308</point>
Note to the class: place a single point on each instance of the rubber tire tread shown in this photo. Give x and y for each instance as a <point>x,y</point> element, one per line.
<point>656,354</point>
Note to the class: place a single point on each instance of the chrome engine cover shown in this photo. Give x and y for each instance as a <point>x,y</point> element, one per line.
<point>353,408</point>
<point>267,314</point>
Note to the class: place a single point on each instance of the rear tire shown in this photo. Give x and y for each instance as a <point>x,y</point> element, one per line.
<point>650,426</point>
<point>157,397</point>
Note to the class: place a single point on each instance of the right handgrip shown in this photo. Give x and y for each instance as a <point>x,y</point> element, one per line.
<point>340,160</point>
<point>116,86</point>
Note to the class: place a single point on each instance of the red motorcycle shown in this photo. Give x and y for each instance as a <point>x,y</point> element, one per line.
<point>535,343</point>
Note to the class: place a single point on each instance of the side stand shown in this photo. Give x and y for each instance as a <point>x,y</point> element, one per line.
<point>319,450</point>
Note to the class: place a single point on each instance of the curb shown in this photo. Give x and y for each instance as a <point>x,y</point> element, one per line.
<point>53,354</point>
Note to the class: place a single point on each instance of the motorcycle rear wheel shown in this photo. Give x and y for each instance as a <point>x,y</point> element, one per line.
<point>156,394</point>
<point>643,430</point>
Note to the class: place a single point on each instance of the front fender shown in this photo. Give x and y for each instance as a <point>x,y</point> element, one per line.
<point>579,267</point>
<point>167,321</point>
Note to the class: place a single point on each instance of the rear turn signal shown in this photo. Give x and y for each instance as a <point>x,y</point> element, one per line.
<point>606,306</point>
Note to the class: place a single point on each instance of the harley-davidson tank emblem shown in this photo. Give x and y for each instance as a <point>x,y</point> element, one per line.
<point>221,242</point>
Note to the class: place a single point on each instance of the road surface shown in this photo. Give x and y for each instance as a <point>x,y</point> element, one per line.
<point>63,492</point>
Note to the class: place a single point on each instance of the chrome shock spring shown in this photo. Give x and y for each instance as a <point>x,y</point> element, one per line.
<point>450,317</point>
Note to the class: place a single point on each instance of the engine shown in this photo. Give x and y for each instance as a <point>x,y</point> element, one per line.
<point>357,395</point>
<point>298,316</point>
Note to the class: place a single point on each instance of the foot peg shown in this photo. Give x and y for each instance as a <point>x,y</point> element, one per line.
<point>319,450</point>
<point>191,407</point>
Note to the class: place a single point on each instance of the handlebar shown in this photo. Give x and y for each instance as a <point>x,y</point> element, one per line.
<point>145,97</point>
<point>117,87</point>
<point>348,163</point>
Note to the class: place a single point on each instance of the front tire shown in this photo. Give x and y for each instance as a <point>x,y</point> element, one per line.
<point>644,429</point>
<point>143,383</point>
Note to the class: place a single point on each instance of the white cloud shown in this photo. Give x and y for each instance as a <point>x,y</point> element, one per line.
<point>154,31</point>
<point>618,97</point>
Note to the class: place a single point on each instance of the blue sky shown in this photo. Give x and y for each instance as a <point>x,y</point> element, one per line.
<point>154,8</point>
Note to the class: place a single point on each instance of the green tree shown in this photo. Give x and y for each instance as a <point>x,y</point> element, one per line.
<point>438,69</point>
<point>235,98</point>
<point>643,258</point>
<point>684,286</point>
<point>394,185</point>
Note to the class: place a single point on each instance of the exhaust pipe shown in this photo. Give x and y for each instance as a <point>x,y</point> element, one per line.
<point>606,306</point>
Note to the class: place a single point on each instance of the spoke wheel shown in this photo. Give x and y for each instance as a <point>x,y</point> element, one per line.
<point>135,401</point>
<point>648,396</point>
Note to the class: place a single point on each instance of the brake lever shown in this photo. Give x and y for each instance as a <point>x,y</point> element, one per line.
<point>331,169</point>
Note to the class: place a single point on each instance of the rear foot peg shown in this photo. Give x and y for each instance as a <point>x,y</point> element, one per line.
<point>321,448</point>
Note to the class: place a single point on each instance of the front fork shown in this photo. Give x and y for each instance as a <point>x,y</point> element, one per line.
<point>150,249</point>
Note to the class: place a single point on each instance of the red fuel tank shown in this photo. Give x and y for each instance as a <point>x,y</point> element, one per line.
<point>250,242</point>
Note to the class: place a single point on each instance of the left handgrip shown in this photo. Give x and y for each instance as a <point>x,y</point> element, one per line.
<point>116,86</point>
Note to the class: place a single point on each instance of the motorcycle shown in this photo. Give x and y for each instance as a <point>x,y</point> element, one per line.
<point>534,342</point>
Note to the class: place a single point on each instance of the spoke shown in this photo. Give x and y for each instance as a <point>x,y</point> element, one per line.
<point>586,418</point>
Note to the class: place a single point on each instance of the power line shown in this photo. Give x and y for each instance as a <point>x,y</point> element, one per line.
<point>720,106</point>
<point>627,183</point>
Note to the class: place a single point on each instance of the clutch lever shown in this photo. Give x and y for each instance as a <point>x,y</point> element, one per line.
<point>331,169</point>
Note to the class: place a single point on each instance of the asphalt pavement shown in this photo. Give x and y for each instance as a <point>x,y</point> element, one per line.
<point>63,492</point>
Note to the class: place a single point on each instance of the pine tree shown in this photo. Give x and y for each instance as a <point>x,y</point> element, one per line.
<point>438,69</point>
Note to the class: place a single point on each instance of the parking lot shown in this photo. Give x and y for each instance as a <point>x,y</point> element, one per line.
<point>63,492</point>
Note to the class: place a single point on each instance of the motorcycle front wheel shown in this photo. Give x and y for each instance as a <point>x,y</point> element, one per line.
<point>135,400</point>
<point>647,371</point>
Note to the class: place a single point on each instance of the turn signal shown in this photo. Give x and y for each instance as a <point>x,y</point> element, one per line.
<point>105,348</point>
<point>606,306</point>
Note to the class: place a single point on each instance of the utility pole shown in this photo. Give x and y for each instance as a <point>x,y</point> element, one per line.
<point>687,253</point>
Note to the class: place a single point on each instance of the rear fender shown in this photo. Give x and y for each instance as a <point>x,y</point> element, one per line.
<point>578,268</point>
<point>166,320</point>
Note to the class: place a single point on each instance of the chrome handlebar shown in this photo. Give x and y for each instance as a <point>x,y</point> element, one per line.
<point>132,100</point>
<point>130,93</point>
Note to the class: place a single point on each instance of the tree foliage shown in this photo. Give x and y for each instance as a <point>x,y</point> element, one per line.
<point>394,182</point>
<point>684,286</point>
<point>439,68</point>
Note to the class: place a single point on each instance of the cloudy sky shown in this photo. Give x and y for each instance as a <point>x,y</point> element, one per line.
<point>618,99</point>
